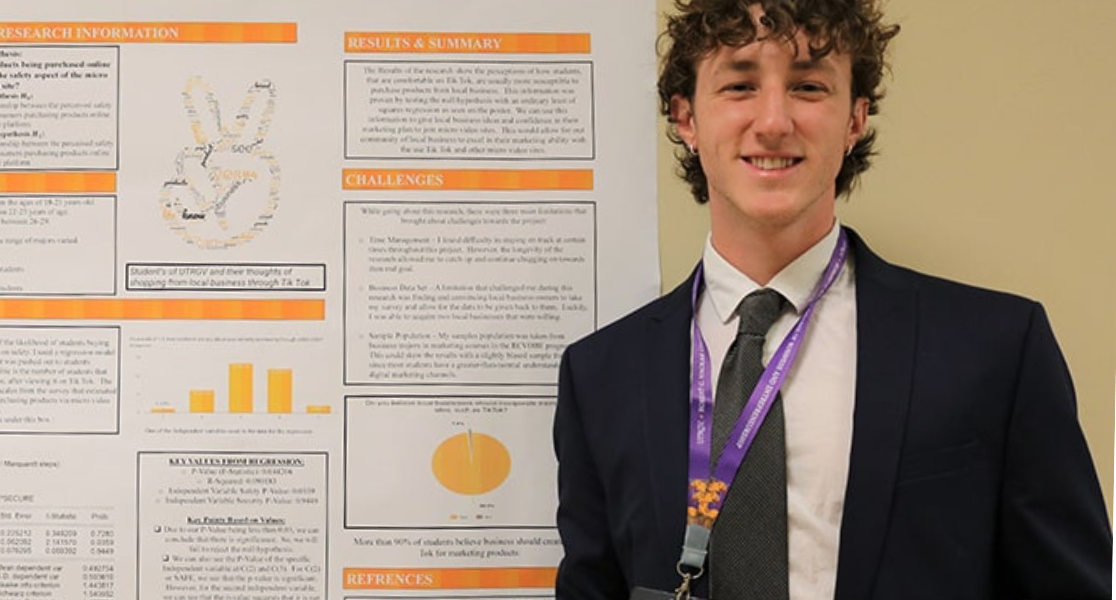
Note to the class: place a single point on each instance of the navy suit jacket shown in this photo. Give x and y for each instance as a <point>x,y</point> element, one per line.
<point>969,477</point>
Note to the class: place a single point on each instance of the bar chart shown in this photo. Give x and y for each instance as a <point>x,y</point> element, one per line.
<point>241,397</point>
<point>231,377</point>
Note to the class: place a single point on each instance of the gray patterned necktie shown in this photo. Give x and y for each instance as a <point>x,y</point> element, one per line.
<point>748,549</point>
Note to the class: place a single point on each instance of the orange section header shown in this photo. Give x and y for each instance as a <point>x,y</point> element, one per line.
<point>507,180</point>
<point>156,309</point>
<point>58,182</point>
<point>449,579</point>
<point>148,33</point>
<point>467,43</point>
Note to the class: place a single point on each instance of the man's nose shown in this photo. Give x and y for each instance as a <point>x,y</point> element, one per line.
<point>773,118</point>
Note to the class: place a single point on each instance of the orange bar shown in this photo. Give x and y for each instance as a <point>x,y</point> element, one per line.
<point>498,180</point>
<point>240,388</point>
<point>148,32</point>
<point>163,410</point>
<point>394,42</point>
<point>163,310</point>
<point>202,401</point>
<point>279,391</point>
<point>57,182</point>
<point>319,409</point>
<point>449,579</point>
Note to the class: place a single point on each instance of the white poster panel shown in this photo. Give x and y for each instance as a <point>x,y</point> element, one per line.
<point>284,287</point>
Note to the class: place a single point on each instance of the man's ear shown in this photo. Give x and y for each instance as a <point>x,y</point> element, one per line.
<point>682,116</point>
<point>858,121</point>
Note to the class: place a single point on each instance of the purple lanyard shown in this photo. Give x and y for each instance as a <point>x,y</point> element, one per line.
<point>708,485</point>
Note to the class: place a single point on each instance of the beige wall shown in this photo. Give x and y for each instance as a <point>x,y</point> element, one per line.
<point>998,155</point>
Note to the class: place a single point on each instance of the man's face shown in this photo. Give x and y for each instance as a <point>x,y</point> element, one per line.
<point>771,128</point>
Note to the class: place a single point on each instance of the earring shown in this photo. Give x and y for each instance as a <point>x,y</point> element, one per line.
<point>848,151</point>
<point>691,148</point>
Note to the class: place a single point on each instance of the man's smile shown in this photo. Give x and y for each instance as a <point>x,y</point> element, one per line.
<point>771,163</point>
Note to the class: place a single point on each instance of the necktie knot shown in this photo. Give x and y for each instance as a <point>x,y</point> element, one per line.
<point>758,311</point>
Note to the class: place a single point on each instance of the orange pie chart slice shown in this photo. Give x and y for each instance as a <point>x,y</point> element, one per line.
<point>471,463</point>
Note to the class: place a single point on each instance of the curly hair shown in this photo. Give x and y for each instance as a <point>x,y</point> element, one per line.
<point>700,27</point>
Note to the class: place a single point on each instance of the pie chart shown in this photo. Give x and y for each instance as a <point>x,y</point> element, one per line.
<point>471,463</point>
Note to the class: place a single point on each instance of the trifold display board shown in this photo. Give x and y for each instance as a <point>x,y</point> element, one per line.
<point>284,287</point>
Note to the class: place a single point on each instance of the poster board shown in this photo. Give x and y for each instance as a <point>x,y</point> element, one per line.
<point>284,287</point>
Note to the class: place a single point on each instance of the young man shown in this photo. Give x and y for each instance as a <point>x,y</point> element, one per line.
<point>915,438</point>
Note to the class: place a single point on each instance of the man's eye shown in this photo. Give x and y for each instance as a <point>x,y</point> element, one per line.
<point>740,87</point>
<point>810,87</point>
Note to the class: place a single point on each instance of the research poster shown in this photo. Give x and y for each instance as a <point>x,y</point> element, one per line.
<point>284,287</point>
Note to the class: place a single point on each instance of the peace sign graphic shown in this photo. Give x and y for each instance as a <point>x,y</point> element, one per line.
<point>226,186</point>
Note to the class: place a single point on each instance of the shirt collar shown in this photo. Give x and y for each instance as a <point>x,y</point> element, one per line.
<point>726,286</point>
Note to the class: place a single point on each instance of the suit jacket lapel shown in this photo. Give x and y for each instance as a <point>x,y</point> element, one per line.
<point>666,411</point>
<point>886,337</point>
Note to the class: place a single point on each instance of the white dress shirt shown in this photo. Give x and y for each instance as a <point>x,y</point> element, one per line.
<point>818,398</point>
